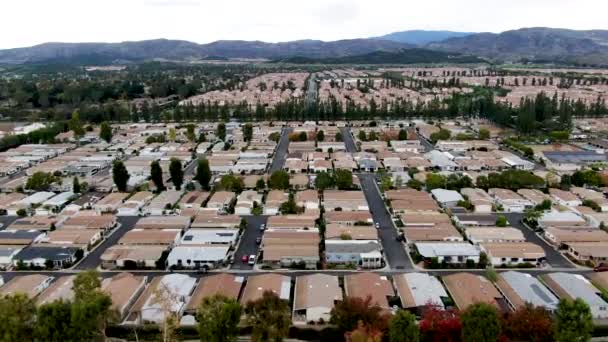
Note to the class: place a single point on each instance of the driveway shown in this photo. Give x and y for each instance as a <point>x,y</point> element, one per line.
<point>554,258</point>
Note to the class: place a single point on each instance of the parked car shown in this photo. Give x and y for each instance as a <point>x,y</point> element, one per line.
<point>251,260</point>
<point>258,240</point>
<point>603,267</point>
<point>245,258</point>
<point>262,227</point>
<point>377,225</point>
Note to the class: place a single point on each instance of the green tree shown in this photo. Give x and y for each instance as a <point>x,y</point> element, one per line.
<point>338,136</point>
<point>320,135</point>
<point>275,136</point>
<point>203,173</point>
<point>156,173</point>
<point>402,134</point>
<point>16,317</point>
<point>120,175</point>
<point>40,181</point>
<point>190,134</point>
<point>177,173</point>
<point>480,323</point>
<point>220,132</point>
<point>403,327</point>
<point>76,185</point>
<point>269,316</point>
<point>260,184</point>
<point>443,134</point>
<point>362,135</point>
<point>85,284</point>
<point>75,125</point>
<point>574,321</point>
<point>435,181</point>
<point>218,318</point>
<point>232,183</point>
<point>172,134</point>
<point>344,179</point>
<point>386,182</point>
<point>324,180</point>
<point>302,136</point>
<point>105,132</point>
<point>248,132</point>
<point>484,134</point>
<point>53,322</point>
<point>414,184</point>
<point>501,221</point>
<point>279,180</point>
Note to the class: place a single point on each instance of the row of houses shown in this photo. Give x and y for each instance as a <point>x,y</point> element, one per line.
<point>140,300</point>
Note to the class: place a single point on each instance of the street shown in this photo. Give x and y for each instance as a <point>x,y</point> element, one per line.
<point>280,154</point>
<point>394,252</point>
<point>93,259</point>
<point>348,140</point>
<point>425,143</point>
<point>247,245</point>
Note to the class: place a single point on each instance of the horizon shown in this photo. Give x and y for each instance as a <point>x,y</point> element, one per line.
<point>69,21</point>
<point>290,41</point>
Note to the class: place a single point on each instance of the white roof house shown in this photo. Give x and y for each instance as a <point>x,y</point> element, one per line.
<point>37,198</point>
<point>447,198</point>
<point>176,288</point>
<point>59,200</point>
<point>555,217</point>
<point>576,286</point>
<point>527,289</point>
<point>210,237</point>
<point>453,252</point>
<point>421,289</point>
<point>441,160</point>
<point>197,256</point>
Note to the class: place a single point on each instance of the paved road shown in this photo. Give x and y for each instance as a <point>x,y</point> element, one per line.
<point>191,168</point>
<point>311,92</point>
<point>93,259</point>
<point>534,271</point>
<point>280,154</point>
<point>7,221</point>
<point>247,245</point>
<point>394,251</point>
<point>347,137</point>
<point>425,143</point>
<point>554,258</point>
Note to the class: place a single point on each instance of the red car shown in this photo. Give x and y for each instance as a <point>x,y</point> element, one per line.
<point>245,258</point>
<point>601,268</point>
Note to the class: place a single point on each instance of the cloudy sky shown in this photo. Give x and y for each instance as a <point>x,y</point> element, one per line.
<point>29,22</point>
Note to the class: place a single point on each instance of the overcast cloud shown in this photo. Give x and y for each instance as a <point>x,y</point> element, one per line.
<point>30,22</point>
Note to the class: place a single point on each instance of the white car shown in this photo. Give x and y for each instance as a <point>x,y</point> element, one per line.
<point>251,260</point>
<point>377,225</point>
<point>262,227</point>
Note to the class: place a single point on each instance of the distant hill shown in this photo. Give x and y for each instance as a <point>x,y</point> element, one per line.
<point>538,43</point>
<point>528,44</point>
<point>422,37</point>
<point>404,56</point>
<point>105,53</point>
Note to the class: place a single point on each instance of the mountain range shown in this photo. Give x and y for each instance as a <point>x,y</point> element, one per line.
<point>422,37</point>
<point>528,44</point>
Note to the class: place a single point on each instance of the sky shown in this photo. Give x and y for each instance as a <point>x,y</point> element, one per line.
<point>30,22</point>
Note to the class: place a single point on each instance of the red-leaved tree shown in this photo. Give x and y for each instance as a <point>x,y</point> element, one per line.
<point>528,323</point>
<point>439,325</point>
